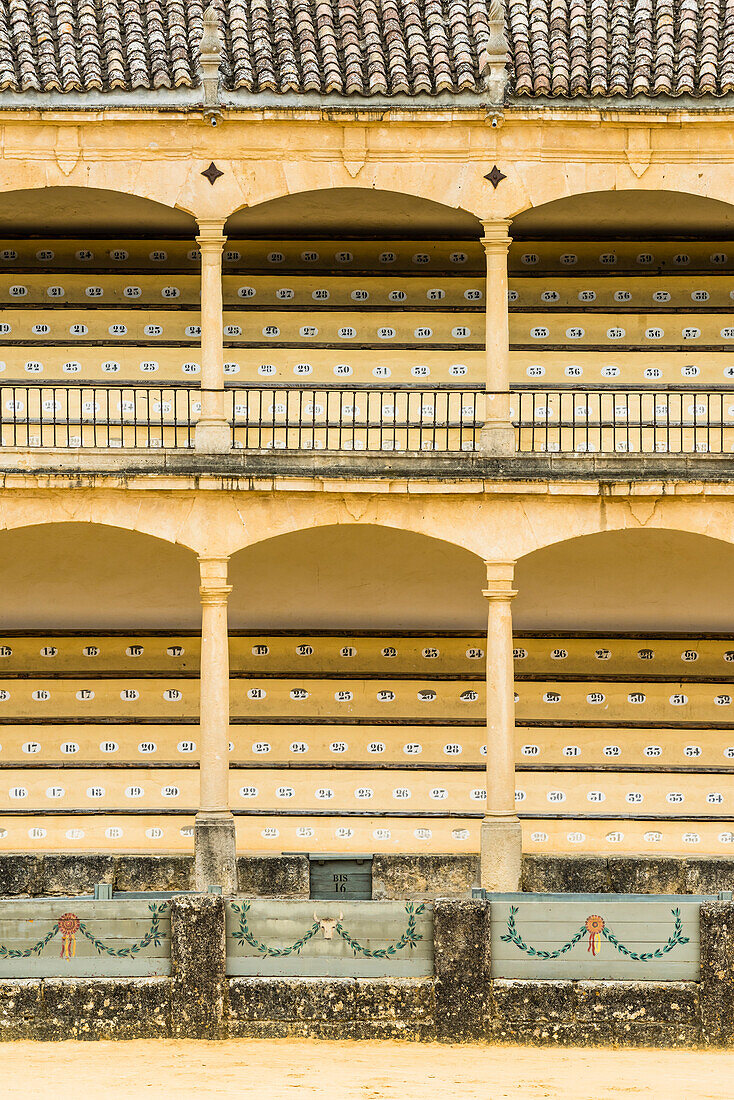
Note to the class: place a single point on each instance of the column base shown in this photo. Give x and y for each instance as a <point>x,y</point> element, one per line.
<point>215,852</point>
<point>213,437</point>
<point>501,854</point>
<point>497,439</point>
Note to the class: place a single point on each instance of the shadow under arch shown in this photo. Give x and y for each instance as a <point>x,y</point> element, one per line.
<point>630,580</point>
<point>353,212</point>
<point>77,576</point>
<point>626,214</point>
<point>89,212</point>
<point>356,577</point>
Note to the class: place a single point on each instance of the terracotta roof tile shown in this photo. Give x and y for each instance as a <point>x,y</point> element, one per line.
<point>565,48</point>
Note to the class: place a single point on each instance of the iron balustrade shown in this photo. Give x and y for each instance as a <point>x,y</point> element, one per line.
<point>74,415</point>
<point>404,418</point>
<point>636,420</point>
<point>355,418</point>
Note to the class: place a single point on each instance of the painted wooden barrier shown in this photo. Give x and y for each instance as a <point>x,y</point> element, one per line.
<point>362,939</point>
<point>609,936</point>
<point>84,938</point>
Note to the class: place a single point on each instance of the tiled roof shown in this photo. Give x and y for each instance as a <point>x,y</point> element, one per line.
<point>587,48</point>
<point>621,47</point>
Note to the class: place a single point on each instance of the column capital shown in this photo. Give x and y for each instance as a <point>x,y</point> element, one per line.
<point>215,596</point>
<point>211,235</point>
<point>500,575</point>
<point>496,235</point>
<point>213,575</point>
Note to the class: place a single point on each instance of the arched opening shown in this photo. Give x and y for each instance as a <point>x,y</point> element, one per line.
<point>355,287</point>
<point>99,693</point>
<point>100,292</point>
<point>352,213</point>
<point>624,693</point>
<point>89,212</point>
<point>626,215</point>
<point>356,577</point>
<point>619,308</point>
<point>633,580</point>
<point>359,655</point>
<point>85,576</point>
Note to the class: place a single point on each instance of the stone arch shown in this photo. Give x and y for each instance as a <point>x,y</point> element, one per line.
<point>372,210</point>
<point>71,210</point>
<point>639,580</point>
<point>356,576</point>
<point>75,575</point>
<point>646,205</point>
<point>139,513</point>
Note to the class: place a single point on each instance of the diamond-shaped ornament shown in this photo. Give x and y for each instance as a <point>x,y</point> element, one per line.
<point>495,177</point>
<point>212,173</point>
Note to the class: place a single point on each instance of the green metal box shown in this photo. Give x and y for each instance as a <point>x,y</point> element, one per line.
<point>336,877</point>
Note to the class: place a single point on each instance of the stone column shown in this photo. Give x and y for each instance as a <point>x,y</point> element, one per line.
<point>214,834</point>
<point>498,435</point>
<point>501,835</point>
<point>213,430</point>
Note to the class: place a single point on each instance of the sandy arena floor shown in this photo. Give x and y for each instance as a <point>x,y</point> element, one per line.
<point>285,1069</point>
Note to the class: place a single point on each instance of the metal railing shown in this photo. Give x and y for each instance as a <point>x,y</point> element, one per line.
<point>98,416</point>
<point>357,418</point>
<point>446,419</point>
<point>639,420</point>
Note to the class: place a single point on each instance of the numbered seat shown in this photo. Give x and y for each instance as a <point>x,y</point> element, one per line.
<point>614,656</point>
<point>98,789</point>
<point>583,744</point>
<point>345,366</point>
<point>357,257</point>
<point>81,325</point>
<point>366,293</point>
<point>105,366</point>
<point>348,329</point>
<point>114,257</point>
<point>617,368</point>
<point>648,331</point>
<point>623,295</point>
<point>74,290</point>
<point>367,743</point>
<point>615,257</point>
<point>264,833</point>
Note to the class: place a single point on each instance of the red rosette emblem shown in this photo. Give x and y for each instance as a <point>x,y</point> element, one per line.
<point>68,927</point>
<point>595,927</point>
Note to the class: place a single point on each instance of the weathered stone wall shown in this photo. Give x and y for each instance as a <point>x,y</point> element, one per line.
<point>412,877</point>
<point>460,1003</point>
<point>332,1008</point>
<point>69,874</point>
<point>585,1013</point>
<point>430,876</point>
<point>418,878</point>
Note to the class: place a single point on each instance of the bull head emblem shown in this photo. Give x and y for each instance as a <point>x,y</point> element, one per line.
<point>327,924</point>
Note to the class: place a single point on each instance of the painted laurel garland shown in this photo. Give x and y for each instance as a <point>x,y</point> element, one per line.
<point>595,927</point>
<point>69,925</point>
<point>409,938</point>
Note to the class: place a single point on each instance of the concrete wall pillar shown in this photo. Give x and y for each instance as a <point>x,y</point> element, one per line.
<point>213,430</point>
<point>198,968</point>
<point>501,835</point>
<point>498,435</point>
<point>214,835</point>
<point>716,985</point>
<point>462,961</point>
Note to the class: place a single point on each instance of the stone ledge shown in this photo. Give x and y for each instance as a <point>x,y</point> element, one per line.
<point>69,874</point>
<point>97,465</point>
<point>589,1012</point>
<point>410,877</point>
<point>330,1000</point>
